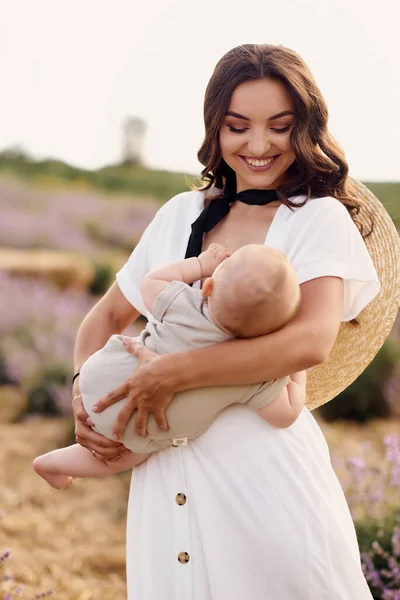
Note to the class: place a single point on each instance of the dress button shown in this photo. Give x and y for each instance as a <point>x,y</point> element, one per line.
<point>180,499</point>
<point>183,557</point>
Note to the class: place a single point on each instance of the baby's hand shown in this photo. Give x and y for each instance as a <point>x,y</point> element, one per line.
<point>212,257</point>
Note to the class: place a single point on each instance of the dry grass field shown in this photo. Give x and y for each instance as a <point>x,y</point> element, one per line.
<point>73,541</point>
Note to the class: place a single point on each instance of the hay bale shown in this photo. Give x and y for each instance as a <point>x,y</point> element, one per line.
<point>64,269</point>
<point>13,403</point>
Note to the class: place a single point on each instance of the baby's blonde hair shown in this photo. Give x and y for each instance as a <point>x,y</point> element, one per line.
<point>255,291</point>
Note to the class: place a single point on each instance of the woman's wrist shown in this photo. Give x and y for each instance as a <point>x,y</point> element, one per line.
<point>177,371</point>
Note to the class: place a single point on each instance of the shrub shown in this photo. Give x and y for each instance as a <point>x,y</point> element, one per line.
<point>38,325</point>
<point>367,397</point>
<point>372,489</point>
<point>104,275</point>
<point>382,568</point>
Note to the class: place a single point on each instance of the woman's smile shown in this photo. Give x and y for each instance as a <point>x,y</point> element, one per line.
<point>259,165</point>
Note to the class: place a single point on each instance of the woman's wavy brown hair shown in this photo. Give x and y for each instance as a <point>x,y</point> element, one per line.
<point>320,168</point>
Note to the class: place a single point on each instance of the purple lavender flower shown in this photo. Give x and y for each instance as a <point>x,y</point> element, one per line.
<point>392,443</point>
<point>371,574</point>
<point>44,594</point>
<point>37,336</point>
<point>396,542</point>
<point>5,554</point>
<point>75,221</point>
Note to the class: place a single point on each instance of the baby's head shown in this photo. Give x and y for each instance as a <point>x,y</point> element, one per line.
<point>253,292</point>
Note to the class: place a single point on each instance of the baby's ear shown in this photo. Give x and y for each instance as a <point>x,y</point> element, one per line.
<point>208,287</point>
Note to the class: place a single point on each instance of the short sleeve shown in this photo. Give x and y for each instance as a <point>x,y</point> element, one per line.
<point>164,240</point>
<point>169,295</point>
<point>139,263</point>
<point>324,241</point>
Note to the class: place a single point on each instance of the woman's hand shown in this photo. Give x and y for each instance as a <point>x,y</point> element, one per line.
<point>148,390</point>
<point>105,449</point>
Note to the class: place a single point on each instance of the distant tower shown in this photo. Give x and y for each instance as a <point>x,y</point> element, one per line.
<point>134,131</point>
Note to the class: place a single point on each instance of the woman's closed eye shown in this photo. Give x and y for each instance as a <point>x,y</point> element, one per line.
<point>281,129</point>
<point>235,130</point>
<point>274,129</point>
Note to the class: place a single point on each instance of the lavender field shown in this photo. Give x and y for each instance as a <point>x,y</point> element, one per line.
<point>51,543</point>
<point>39,321</point>
<point>70,219</point>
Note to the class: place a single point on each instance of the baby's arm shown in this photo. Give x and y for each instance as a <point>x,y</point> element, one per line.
<point>286,407</point>
<point>61,466</point>
<point>188,270</point>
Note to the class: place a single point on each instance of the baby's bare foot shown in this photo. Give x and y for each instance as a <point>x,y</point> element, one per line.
<point>56,480</point>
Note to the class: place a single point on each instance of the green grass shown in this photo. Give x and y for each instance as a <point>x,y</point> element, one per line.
<point>141,181</point>
<point>389,194</point>
<point>123,178</point>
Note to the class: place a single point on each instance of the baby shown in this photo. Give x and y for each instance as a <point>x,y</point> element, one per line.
<point>247,293</point>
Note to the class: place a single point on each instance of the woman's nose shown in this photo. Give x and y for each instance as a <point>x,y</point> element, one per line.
<point>259,144</point>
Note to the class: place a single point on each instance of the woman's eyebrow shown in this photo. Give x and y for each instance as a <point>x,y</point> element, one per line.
<point>284,113</point>
<point>232,113</point>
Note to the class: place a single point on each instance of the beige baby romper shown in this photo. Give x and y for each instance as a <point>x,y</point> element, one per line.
<point>182,322</point>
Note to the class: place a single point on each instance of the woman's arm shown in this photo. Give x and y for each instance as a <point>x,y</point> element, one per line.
<point>112,314</point>
<point>304,342</point>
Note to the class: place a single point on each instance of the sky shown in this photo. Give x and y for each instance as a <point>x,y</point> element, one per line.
<point>71,71</point>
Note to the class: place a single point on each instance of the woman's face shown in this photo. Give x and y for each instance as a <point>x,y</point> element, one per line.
<point>255,134</point>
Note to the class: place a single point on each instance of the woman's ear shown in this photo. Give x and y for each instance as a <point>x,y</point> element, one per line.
<point>208,287</point>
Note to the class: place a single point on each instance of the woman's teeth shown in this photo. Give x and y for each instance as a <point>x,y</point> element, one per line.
<point>259,163</point>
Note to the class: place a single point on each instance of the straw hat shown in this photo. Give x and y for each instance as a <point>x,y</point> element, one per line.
<point>356,345</point>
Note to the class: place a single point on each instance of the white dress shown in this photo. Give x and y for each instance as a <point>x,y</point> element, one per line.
<point>246,511</point>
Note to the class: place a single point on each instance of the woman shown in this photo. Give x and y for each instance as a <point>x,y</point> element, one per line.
<point>246,510</point>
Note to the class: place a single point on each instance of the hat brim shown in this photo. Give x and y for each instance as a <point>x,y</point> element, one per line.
<point>357,345</point>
